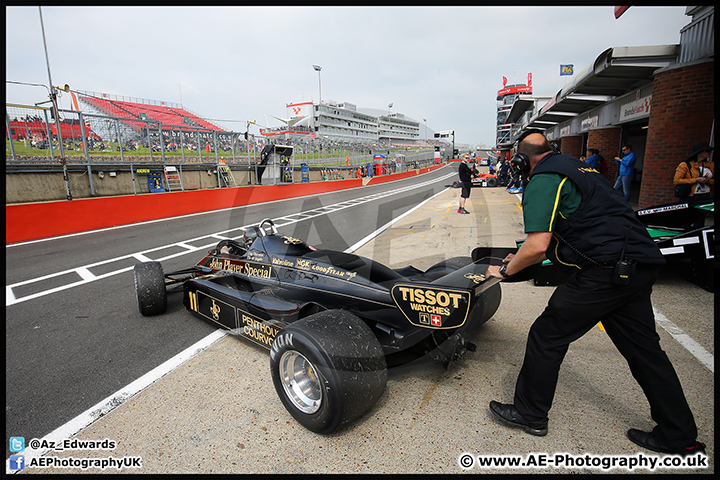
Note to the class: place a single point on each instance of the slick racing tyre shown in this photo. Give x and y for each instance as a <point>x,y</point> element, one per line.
<point>328,369</point>
<point>488,304</point>
<point>492,182</point>
<point>150,288</point>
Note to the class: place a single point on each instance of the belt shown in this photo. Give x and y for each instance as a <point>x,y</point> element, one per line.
<point>605,265</point>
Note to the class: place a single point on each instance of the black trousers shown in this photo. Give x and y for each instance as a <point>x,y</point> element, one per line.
<point>587,298</point>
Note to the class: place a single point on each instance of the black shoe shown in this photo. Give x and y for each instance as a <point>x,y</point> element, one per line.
<point>509,415</point>
<point>652,442</point>
<point>462,210</point>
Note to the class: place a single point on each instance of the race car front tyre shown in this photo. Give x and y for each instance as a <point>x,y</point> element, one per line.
<point>150,288</point>
<point>328,369</point>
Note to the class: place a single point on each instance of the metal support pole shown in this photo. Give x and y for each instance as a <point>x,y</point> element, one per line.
<point>162,143</point>
<point>7,125</point>
<point>63,160</point>
<point>182,145</point>
<point>49,135</point>
<point>149,140</point>
<point>53,97</point>
<point>87,153</point>
<point>215,145</point>
<point>199,146</point>
<point>119,138</point>
<point>248,159</point>
<point>132,177</point>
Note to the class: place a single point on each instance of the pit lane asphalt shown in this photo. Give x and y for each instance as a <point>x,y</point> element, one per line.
<point>219,413</point>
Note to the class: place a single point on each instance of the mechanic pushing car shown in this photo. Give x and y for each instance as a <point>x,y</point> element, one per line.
<point>574,217</point>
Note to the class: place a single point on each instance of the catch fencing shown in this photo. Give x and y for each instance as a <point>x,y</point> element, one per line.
<point>32,136</point>
<point>88,145</point>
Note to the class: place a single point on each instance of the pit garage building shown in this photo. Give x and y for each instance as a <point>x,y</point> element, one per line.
<point>660,99</point>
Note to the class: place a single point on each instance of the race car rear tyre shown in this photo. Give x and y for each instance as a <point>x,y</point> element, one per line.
<point>328,369</point>
<point>492,182</point>
<point>150,288</point>
<point>489,304</point>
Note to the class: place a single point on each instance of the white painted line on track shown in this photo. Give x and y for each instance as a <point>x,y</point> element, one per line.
<point>389,224</point>
<point>697,350</point>
<point>141,258</point>
<point>86,276</point>
<point>102,408</point>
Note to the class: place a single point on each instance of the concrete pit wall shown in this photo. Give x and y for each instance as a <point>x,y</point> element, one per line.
<point>33,221</point>
<point>24,184</point>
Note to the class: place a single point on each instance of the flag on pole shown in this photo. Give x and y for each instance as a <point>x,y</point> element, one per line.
<point>74,102</point>
<point>566,70</point>
<point>619,10</point>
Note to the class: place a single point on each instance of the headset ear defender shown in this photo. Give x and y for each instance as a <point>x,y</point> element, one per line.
<point>520,164</point>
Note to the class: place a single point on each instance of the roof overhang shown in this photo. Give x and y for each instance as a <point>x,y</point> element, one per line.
<point>616,72</point>
<point>520,106</point>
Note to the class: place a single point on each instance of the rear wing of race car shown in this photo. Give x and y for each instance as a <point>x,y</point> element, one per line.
<point>474,275</point>
<point>446,303</point>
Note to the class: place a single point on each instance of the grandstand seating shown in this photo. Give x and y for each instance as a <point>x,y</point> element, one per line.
<point>171,116</point>
<point>26,129</point>
<point>68,129</point>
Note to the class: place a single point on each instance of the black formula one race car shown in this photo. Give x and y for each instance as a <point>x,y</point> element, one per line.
<point>332,321</point>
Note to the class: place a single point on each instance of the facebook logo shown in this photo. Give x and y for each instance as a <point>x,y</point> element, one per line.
<point>17,444</point>
<point>17,462</point>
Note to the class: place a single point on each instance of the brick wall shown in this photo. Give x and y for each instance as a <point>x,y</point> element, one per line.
<point>682,115</point>
<point>607,140</point>
<point>572,145</point>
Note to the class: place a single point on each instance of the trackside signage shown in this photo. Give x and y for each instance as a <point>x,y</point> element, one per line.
<point>639,108</point>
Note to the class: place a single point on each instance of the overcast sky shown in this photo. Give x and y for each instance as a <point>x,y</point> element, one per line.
<point>443,64</point>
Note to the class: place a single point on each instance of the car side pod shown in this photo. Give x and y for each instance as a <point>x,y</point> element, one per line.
<point>328,369</point>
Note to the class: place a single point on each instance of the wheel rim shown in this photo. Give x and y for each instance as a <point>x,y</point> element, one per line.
<point>301,382</point>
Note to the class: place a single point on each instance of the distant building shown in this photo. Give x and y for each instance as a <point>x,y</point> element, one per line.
<point>506,98</point>
<point>395,128</point>
<point>343,121</point>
